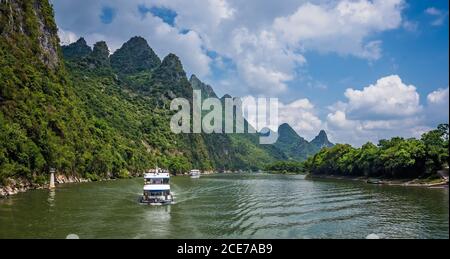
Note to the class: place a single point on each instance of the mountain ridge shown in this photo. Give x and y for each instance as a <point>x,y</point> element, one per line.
<point>171,72</point>
<point>134,56</point>
<point>295,146</point>
<point>74,109</point>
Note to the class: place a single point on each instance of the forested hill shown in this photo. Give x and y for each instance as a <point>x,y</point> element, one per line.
<point>297,148</point>
<point>42,121</point>
<point>130,93</point>
<point>85,112</point>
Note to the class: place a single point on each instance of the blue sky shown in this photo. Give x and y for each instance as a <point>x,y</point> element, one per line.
<point>360,69</point>
<point>420,57</point>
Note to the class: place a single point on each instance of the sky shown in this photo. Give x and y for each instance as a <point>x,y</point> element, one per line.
<point>363,70</point>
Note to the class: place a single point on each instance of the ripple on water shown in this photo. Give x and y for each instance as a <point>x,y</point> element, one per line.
<point>229,206</point>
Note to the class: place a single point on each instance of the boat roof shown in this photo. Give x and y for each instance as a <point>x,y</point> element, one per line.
<point>195,170</point>
<point>156,175</point>
<point>157,187</point>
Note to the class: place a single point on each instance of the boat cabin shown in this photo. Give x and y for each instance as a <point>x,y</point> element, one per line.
<point>157,178</point>
<point>156,191</point>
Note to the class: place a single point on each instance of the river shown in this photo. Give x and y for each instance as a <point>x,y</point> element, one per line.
<point>229,206</point>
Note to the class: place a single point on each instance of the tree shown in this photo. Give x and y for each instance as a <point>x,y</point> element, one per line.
<point>396,158</point>
<point>179,165</point>
<point>436,147</point>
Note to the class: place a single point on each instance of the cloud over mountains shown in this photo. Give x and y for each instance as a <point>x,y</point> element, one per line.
<point>261,46</point>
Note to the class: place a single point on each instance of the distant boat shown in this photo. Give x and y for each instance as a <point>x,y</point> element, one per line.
<point>195,174</point>
<point>157,189</point>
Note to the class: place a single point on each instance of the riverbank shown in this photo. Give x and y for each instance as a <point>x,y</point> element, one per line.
<point>15,186</point>
<point>438,183</point>
<point>284,173</point>
<point>20,185</point>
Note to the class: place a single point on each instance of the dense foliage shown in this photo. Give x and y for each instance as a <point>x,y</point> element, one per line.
<point>395,158</point>
<point>133,104</point>
<point>83,111</point>
<point>41,123</point>
<point>93,114</point>
<point>286,167</point>
<point>135,56</point>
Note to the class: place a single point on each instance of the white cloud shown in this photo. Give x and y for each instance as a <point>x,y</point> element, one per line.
<point>199,15</point>
<point>264,63</point>
<point>129,22</point>
<point>264,39</point>
<point>187,46</point>
<point>438,97</point>
<point>388,98</point>
<point>263,79</point>
<point>262,44</point>
<point>267,58</point>
<point>433,11</point>
<point>342,28</point>
<point>386,109</point>
<point>339,120</point>
<point>302,117</point>
<point>67,37</point>
<point>359,132</point>
<point>410,26</point>
<point>437,110</point>
<point>301,114</point>
<point>439,15</point>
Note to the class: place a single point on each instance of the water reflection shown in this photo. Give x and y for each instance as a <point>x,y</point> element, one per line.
<point>51,197</point>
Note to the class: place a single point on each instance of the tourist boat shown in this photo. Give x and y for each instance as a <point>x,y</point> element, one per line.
<point>157,188</point>
<point>195,174</point>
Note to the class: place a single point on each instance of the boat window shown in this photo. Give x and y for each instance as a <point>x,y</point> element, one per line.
<point>157,193</point>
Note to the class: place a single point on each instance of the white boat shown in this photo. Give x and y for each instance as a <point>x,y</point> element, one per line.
<point>157,189</point>
<point>195,174</point>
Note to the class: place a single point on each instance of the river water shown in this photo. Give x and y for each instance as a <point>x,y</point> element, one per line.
<point>229,206</point>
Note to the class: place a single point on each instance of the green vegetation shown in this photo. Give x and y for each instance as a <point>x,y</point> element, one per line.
<point>86,113</point>
<point>41,125</point>
<point>285,167</point>
<point>179,165</point>
<point>296,147</point>
<point>94,115</point>
<point>396,158</point>
<point>134,57</point>
<point>133,103</point>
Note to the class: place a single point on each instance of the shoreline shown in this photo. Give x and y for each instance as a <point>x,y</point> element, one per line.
<point>383,181</point>
<point>284,173</point>
<point>21,185</point>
